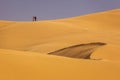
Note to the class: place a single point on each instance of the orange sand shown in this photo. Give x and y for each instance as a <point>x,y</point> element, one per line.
<point>24,47</point>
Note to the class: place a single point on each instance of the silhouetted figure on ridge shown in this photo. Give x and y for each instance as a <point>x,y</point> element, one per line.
<point>34,18</point>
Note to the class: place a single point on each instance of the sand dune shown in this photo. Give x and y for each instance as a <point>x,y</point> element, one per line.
<point>24,48</point>
<point>49,36</point>
<point>18,65</point>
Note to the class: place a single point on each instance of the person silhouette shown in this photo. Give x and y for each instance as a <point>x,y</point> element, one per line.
<point>34,18</point>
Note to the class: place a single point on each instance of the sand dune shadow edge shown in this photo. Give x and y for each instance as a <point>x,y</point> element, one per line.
<point>81,51</point>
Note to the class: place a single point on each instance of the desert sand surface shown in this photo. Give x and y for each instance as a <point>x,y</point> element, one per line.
<point>30,50</point>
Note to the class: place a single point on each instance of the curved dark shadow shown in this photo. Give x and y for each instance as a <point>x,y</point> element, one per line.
<point>82,51</point>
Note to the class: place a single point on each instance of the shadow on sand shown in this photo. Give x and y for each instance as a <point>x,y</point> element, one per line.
<point>82,51</point>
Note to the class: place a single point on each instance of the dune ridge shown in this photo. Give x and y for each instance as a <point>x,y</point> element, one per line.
<point>28,49</point>
<point>51,35</point>
<point>83,51</point>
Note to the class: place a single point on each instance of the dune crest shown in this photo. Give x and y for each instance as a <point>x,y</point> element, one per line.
<point>40,50</point>
<point>83,51</point>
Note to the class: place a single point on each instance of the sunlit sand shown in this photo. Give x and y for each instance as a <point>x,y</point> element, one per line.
<point>63,49</point>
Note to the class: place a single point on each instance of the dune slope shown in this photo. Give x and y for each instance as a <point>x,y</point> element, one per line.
<point>49,36</point>
<point>18,65</point>
<point>24,48</point>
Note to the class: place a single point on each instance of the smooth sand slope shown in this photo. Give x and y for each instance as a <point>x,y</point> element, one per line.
<point>24,47</point>
<point>16,65</point>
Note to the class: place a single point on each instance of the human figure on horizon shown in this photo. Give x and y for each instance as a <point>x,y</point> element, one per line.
<point>34,18</point>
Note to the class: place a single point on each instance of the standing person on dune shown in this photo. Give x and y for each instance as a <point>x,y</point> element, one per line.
<point>34,18</point>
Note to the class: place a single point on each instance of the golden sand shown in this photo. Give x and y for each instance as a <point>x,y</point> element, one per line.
<point>24,48</point>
